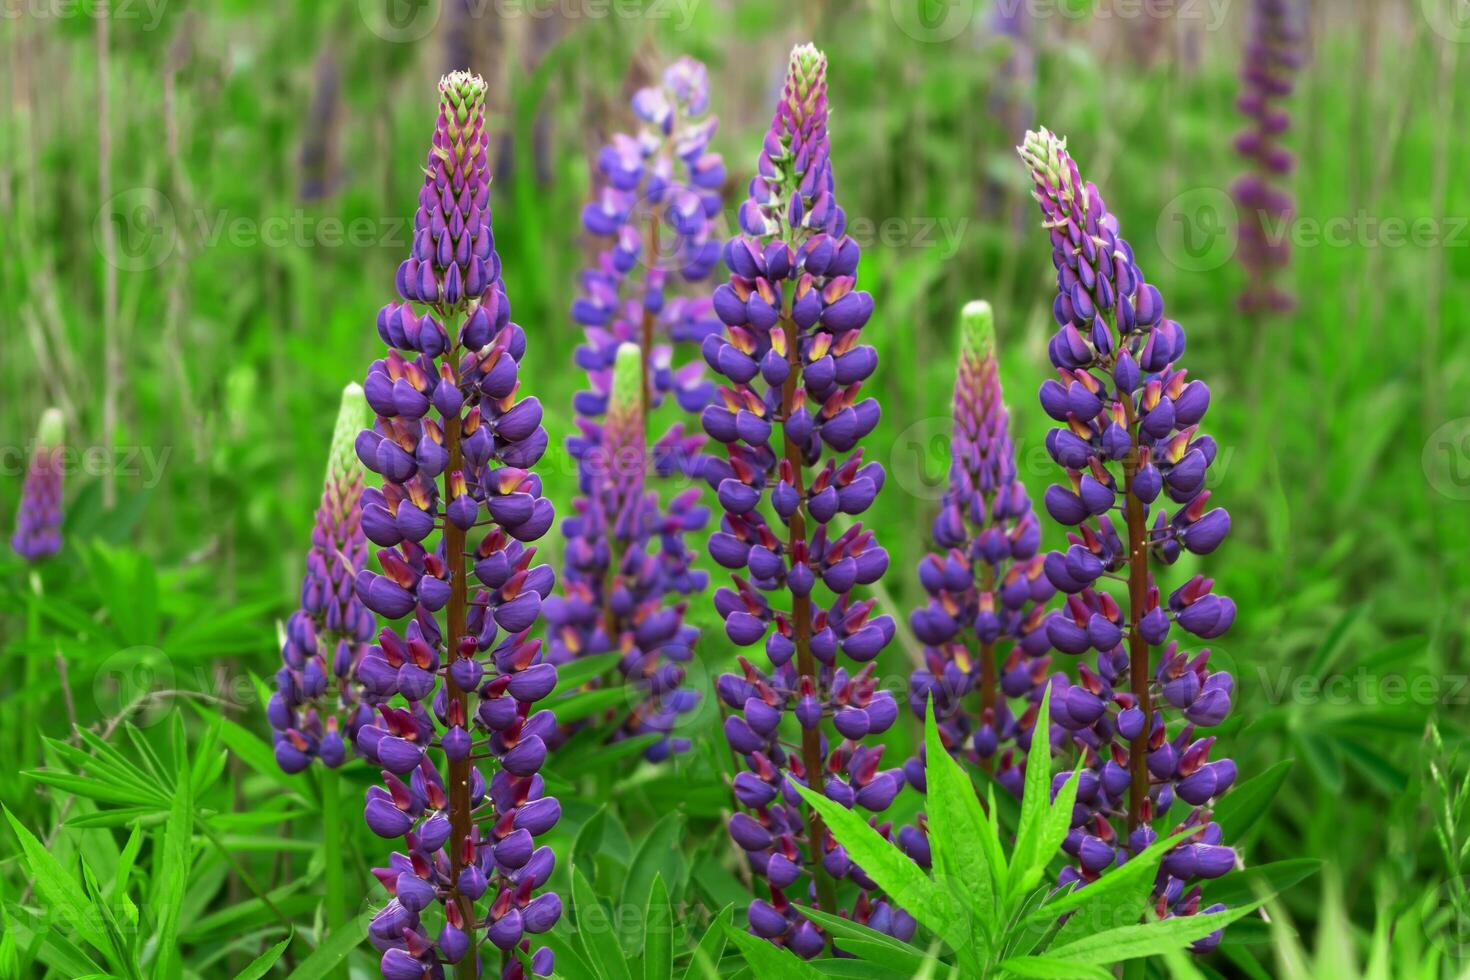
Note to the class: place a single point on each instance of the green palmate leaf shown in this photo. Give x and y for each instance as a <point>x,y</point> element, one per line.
<point>658,933</point>
<point>1044,822</point>
<point>333,950</point>
<point>1147,938</point>
<point>704,960</point>
<point>894,871</point>
<point>1053,969</point>
<point>596,931</point>
<point>766,961</point>
<point>262,964</point>
<point>1119,897</point>
<point>965,845</point>
<point>60,890</point>
<point>875,946</point>
<point>1239,809</point>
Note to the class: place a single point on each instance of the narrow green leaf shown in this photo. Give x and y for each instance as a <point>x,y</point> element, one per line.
<point>595,931</point>
<point>1237,811</point>
<point>894,871</point>
<point>177,858</point>
<point>1274,878</point>
<point>1148,938</point>
<point>657,855</point>
<point>766,961</point>
<point>877,947</point>
<point>704,960</point>
<point>1047,968</point>
<point>968,861</point>
<point>262,964</point>
<point>334,950</point>
<point>658,933</point>
<point>58,887</point>
<point>1036,835</point>
<point>256,754</point>
<point>571,676</point>
<point>1119,897</point>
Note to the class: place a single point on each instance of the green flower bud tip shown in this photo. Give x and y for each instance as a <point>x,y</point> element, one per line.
<point>627,383</point>
<point>52,429</point>
<point>353,415</point>
<point>977,330</point>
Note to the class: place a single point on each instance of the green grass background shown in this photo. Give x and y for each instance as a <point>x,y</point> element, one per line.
<point>223,340</point>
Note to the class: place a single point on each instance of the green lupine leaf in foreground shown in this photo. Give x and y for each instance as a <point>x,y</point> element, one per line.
<point>894,871</point>
<point>768,961</point>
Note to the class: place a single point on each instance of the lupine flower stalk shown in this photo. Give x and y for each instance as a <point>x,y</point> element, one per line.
<point>38,518</point>
<point>792,360</point>
<point>1129,435</point>
<point>657,195</point>
<point>455,444</point>
<point>986,587</point>
<point>616,591</point>
<point>317,694</point>
<point>1270,61</point>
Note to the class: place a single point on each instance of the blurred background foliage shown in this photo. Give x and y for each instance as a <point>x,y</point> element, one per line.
<point>202,207</point>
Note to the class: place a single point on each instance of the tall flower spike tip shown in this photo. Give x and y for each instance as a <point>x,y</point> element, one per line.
<point>317,693</point>
<point>38,518</point>
<point>983,626</point>
<point>1268,65</point>
<point>656,194</point>
<point>456,445</point>
<point>1129,443</point>
<point>793,364</point>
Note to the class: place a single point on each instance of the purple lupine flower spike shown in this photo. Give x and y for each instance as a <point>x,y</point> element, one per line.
<point>1271,59</point>
<point>1129,438</point>
<point>792,359</point>
<point>616,592</point>
<point>655,199</point>
<point>984,625</point>
<point>38,519</point>
<point>317,694</point>
<point>455,445</point>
